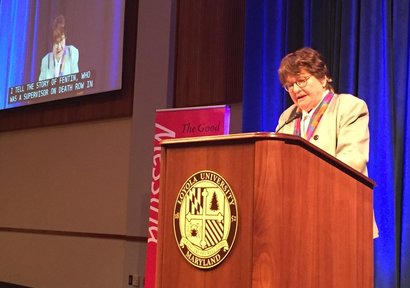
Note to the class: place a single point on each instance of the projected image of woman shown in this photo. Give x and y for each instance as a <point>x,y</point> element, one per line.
<point>63,60</point>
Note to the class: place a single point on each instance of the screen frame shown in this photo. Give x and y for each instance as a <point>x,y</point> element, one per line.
<point>98,106</point>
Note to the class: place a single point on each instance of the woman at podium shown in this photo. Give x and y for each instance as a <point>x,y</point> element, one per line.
<point>336,123</point>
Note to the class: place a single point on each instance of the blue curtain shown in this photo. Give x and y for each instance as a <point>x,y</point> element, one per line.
<point>366,45</point>
<point>401,36</point>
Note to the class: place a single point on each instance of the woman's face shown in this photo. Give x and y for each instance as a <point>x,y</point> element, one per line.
<point>305,90</point>
<point>59,47</point>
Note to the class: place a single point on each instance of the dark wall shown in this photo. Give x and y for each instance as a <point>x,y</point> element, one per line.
<point>209,52</point>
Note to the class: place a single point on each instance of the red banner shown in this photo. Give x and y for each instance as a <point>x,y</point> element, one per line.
<point>177,123</point>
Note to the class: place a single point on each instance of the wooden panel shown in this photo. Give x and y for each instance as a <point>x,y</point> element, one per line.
<point>209,52</point>
<point>85,108</point>
<point>312,225</point>
<point>234,271</point>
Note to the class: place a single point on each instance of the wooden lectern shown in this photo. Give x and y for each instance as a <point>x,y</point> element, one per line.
<point>304,217</point>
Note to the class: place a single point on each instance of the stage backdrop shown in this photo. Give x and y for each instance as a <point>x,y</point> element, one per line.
<point>366,46</point>
<point>177,123</point>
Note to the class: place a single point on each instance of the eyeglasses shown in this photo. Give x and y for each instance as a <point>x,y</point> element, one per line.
<point>59,41</point>
<point>301,82</point>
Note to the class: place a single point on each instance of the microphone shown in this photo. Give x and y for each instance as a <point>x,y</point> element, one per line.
<point>297,114</point>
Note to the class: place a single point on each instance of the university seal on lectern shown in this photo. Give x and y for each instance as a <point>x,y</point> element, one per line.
<point>205,219</point>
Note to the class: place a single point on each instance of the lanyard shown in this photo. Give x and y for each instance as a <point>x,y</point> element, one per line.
<point>314,121</point>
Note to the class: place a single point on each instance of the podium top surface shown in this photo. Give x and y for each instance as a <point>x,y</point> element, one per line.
<point>227,137</point>
<point>267,136</point>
